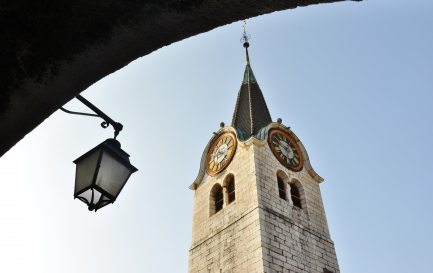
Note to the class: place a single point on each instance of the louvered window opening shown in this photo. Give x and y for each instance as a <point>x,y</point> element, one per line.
<point>281,188</point>
<point>219,200</point>
<point>231,191</point>
<point>296,197</point>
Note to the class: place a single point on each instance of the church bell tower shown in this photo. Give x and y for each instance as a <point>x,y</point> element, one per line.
<point>257,201</point>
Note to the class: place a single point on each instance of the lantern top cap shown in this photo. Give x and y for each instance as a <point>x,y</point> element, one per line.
<point>112,141</point>
<point>111,145</point>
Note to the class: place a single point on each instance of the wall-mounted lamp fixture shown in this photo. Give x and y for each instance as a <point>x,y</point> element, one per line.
<point>103,171</point>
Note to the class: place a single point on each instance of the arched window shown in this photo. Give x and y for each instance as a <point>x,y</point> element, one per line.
<point>230,187</point>
<point>216,199</point>
<point>281,188</point>
<point>295,195</point>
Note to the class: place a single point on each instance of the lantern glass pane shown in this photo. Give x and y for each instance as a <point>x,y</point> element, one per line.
<point>112,174</point>
<point>88,196</point>
<point>96,196</point>
<point>85,171</point>
<point>104,201</point>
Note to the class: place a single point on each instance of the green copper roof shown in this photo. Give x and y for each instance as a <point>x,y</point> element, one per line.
<point>248,74</point>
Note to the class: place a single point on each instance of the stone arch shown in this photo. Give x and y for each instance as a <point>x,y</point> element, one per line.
<point>36,84</point>
<point>216,199</point>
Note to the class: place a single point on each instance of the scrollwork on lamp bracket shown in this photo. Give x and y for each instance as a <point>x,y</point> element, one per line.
<point>98,113</point>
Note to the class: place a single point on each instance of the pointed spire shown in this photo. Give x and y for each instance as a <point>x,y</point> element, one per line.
<point>251,112</point>
<point>248,74</point>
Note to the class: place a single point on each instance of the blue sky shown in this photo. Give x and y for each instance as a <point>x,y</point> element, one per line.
<point>354,82</point>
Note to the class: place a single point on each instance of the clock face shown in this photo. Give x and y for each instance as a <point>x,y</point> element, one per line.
<point>220,153</point>
<point>285,149</point>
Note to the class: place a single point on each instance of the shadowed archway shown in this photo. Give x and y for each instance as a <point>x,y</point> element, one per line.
<point>53,50</point>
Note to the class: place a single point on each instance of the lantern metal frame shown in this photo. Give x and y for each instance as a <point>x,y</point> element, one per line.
<point>112,147</point>
<point>109,146</point>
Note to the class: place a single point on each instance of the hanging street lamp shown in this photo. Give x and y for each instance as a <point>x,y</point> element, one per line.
<point>102,172</point>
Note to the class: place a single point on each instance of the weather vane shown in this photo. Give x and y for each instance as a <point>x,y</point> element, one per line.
<point>245,36</point>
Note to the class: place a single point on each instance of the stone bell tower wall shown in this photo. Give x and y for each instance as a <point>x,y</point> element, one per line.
<point>293,239</point>
<point>228,241</point>
<point>259,231</point>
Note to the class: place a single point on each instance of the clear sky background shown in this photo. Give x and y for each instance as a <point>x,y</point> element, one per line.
<point>353,80</point>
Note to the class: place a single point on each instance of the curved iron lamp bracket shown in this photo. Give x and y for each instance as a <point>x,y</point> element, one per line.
<point>98,113</point>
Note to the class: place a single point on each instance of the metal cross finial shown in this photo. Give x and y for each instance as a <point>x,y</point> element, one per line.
<point>245,35</point>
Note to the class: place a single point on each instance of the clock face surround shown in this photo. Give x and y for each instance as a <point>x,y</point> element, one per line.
<point>220,153</point>
<point>285,149</point>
